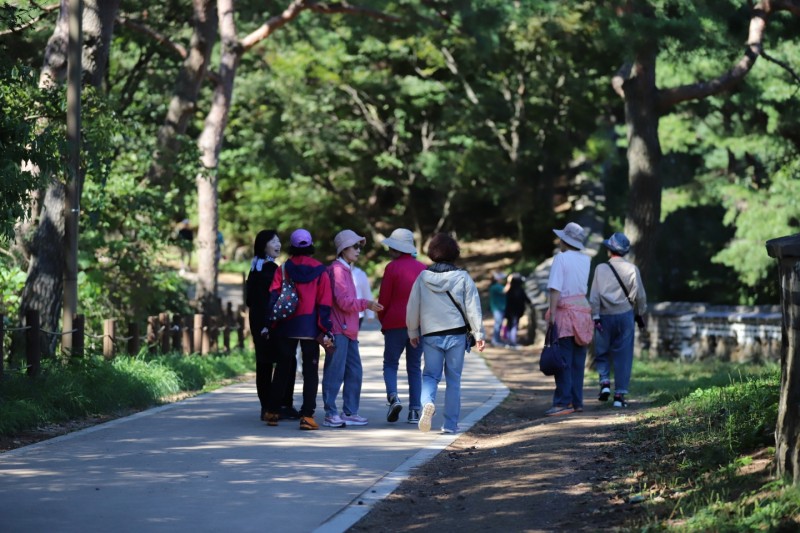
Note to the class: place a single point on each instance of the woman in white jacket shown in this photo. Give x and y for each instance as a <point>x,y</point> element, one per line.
<point>443,307</point>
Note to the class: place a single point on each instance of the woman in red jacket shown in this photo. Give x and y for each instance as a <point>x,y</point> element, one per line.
<point>398,278</point>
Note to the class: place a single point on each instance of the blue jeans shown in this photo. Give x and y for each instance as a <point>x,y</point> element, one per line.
<point>512,323</point>
<point>343,367</point>
<point>444,353</point>
<point>395,341</point>
<point>615,343</point>
<point>569,383</point>
<point>498,326</point>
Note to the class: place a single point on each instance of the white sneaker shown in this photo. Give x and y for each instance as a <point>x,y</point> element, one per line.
<point>427,417</point>
<point>333,422</point>
<point>354,420</point>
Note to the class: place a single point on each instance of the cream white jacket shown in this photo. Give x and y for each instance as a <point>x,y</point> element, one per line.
<point>430,310</point>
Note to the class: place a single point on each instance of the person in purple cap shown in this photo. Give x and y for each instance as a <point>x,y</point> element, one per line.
<point>311,318</point>
<point>618,300</point>
<point>342,368</point>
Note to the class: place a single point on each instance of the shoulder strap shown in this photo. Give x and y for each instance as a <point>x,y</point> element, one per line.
<point>619,279</point>
<point>459,310</point>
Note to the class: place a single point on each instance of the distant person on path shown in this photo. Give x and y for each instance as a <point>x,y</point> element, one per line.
<point>311,319</point>
<point>342,368</point>
<point>185,237</point>
<point>364,291</point>
<point>398,278</point>
<point>497,305</point>
<point>570,312</point>
<point>618,302</point>
<point>516,298</point>
<point>443,307</point>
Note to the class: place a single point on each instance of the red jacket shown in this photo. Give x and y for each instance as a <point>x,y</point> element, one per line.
<point>313,314</point>
<point>398,278</point>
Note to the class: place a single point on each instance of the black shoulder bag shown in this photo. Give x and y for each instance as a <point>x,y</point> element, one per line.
<point>638,318</point>
<point>470,336</point>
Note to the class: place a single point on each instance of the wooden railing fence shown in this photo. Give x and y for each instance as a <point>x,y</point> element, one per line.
<point>198,333</point>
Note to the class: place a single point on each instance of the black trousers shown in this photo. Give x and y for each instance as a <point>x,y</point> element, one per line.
<point>285,371</point>
<point>266,357</point>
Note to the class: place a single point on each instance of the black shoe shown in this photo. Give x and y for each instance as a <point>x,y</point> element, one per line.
<point>619,400</point>
<point>605,391</point>
<point>288,412</point>
<point>394,409</point>
<point>413,416</point>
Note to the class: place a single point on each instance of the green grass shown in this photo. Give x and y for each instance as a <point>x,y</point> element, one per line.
<point>690,456</point>
<point>94,386</point>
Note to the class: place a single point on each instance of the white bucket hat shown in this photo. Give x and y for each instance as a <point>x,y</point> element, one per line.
<point>572,234</point>
<point>401,240</point>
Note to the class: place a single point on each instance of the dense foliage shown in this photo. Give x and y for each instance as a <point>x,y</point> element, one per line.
<point>442,115</point>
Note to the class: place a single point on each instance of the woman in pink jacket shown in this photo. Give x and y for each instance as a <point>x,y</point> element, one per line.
<point>342,368</point>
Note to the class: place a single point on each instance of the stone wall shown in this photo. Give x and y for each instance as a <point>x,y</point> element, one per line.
<point>694,331</point>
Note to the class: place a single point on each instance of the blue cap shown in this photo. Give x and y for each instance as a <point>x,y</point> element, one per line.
<point>618,243</point>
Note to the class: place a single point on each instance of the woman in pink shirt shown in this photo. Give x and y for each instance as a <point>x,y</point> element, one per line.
<point>342,368</point>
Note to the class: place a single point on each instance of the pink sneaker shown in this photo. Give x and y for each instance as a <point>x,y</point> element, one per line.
<point>354,420</point>
<point>333,422</point>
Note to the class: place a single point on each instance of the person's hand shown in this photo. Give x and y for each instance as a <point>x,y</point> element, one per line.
<point>598,325</point>
<point>480,345</point>
<point>414,341</point>
<point>375,306</point>
<point>327,340</point>
<point>265,332</point>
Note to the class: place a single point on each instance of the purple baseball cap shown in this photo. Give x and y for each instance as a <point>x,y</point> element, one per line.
<point>301,238</point>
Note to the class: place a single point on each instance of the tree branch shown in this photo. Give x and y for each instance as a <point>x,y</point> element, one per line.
<point>45,11</point>
<point>787,67</point>
<point>160,38</point>
<point>668,98</point>
<point>297,7</point>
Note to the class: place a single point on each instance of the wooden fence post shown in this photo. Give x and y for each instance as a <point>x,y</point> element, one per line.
<point>109,332</point>
<point>134,342</point>
<point>79,337</point>
<point>205,342</point>
<point>33,349</point>
<point>176,332</point>
<point>242,325</point>
<point>186,334</point>
<point>197,334</point>
<point>227,324</point>
<point>152,334</point>
<point>163,332</point>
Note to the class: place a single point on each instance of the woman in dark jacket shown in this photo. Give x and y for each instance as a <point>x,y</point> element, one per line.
<point>266,249</point>
<point>516,298</point>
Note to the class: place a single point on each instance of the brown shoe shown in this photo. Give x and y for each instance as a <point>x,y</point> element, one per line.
<point>308,423</point>
<point>272,419</point>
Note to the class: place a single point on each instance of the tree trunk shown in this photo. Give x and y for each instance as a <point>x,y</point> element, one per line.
<point>187,87</point>
<point>787,431</point>
<point>644,161</point>
<point>44,284</point>
<point>210,144</point>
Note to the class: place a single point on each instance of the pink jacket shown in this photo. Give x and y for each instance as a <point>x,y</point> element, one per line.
<point>346,305</point>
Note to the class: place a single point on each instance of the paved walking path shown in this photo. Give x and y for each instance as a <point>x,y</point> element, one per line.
<point>208,464</point>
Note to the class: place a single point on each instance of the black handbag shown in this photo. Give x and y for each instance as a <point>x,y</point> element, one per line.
<point>470,336</point>
<point>551,362</point>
